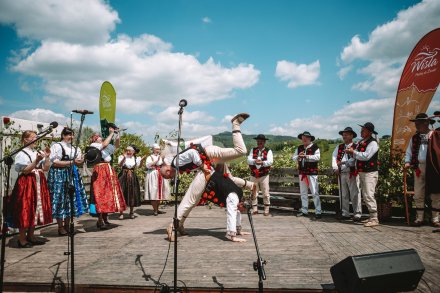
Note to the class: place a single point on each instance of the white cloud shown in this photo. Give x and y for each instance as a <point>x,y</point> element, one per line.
<point>79,21</point>
<point>41,115</point>
<point>344,71</point>
<point>170,114</point>
<point>389,45</point>
<point>206,20</point>
<point>298,74</point>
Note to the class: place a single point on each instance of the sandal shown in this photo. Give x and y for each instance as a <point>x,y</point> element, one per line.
<point>101,226</point>
<point>26,245</point>
<point>121,217</point>
<point>132,216</point>
<point>35,241</point>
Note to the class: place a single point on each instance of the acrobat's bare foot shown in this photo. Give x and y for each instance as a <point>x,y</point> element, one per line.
<point>239,118</point>
<point>235,239</point>
<point>170,232</point>
<point>243,233</point>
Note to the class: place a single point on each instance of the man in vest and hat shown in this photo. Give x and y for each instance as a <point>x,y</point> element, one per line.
<point>416,158</point>
<point>307,155</point>
<point>343,165</point>
<point>366,153</point>
<point>198,159</point>
<point>260,160</point>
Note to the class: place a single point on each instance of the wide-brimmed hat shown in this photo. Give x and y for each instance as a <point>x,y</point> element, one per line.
<point>369,126</point>
<point>261,136</point>
<point>92,155</point>
<point>348,129</point>
<point>423,117</point>
<point>135,148</point>
<point>306,133</point>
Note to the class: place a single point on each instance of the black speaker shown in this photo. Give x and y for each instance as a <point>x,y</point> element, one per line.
<point>394,271</point>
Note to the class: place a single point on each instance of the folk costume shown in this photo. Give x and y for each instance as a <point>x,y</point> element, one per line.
<point>260,173</point>
<point>30,201</point>
<point>156,187</point>
<point>366,155</point>
<point>58,180</point>
<point>420,145</point>
<point>308,174</point>
<point>349,182</point>
<point>106,191</point>
<point>192,159</point>
<point>129,181</point>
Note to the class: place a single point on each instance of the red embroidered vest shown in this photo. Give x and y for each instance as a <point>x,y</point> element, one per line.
<point>308,168</point>
<point>372,164</point>
<point>262,171</point>
<point>191,166</point>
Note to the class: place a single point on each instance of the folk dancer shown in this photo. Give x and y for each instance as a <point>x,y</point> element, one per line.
<point>366,154</point>
<point>105,189</point>
<point>308,155</point>
<point>30,199</point>
<point>157,188</point>
<point>62,157</point>
<point>260,159</point>
<point>415,158</point>
<point>198,159</point>
<point>128,179</point>
<point>343,165</point>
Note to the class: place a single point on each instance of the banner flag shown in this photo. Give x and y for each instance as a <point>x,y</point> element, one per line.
<point>419,81</point>
<point>107,107</point>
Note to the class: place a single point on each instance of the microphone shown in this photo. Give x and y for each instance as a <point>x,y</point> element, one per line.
<point>83,112</point>
<point>183,103</point>
<point>49,129</point>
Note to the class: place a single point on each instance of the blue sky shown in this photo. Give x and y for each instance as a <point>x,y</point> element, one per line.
<point>293,65</point>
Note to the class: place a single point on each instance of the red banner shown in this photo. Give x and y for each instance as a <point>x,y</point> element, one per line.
<point>419,81</point>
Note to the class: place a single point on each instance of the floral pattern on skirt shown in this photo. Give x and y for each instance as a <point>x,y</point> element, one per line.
<point>106,192</point>
<point>58,180</point>
<point>130,187</point>
<point>30,206</point>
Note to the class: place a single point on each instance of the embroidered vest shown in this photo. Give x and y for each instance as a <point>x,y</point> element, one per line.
<point>372,164</point>
<point>341,153</point>
<point>416,141</point>
<point>308,168</point>
<point>64,156</point>
<point>262,171</point>
<point>218,187</point>
<point>191,166</point>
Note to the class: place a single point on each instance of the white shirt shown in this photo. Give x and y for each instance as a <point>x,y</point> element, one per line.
<point>369,152</point>
<point>150,162</point>
<point>346,160</point>
<point>56,152</point>
<point>423,149</point>
<point>267,163</point>
<point>309,158</point>
<point>106,152</point>
<point>130,161</point>
<point>22,160</point>
<point>189,156</point>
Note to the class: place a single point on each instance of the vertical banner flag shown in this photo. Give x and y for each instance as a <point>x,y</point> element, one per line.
<point>107,107</point>
<point>419,81</point>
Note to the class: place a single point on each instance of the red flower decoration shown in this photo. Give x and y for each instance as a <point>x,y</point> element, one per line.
<point>371,164</point>
<point>222,204</point>
<point>212,192</point>
<point>188,171</point>
<point>215,200</point>
<point>209,197</point>
<point>359,164</point>
<point>362,149</point>
<point>205,195</point>
<point>194,147</point>
<point>378,163</point>
<point>225,175</point>
<point>360,170</point>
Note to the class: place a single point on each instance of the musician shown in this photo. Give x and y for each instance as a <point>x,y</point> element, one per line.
<point>343,165</point>
<point>260,159</point>
<point>308,155</point>
<point>157,187</point>
<point>366,153</point>
<point>416,158</point>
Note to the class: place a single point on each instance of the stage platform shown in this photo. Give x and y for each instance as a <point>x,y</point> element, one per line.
<point>130,256</point>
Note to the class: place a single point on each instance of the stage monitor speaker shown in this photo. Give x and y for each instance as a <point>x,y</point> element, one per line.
<point>394,271</point>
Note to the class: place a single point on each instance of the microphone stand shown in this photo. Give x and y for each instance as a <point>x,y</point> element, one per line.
<point>176,190</point>
<point>259,264</point>
<point>9,161</point>
<point>71,192</point>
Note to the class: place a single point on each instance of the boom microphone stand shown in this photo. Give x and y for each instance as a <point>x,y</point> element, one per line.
<point>259,264</point>
<point>9,161</point>
<point>182,104</point>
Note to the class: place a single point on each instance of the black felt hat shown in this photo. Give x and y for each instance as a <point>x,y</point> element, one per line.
<point>423,117</point>
<point>261,136</point>
<point>369,126</point>
<point>348,129</point>
<point>306,133</point>
<point>92,155</point>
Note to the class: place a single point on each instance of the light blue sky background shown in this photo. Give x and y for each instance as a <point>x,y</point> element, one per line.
<point>293,65</point>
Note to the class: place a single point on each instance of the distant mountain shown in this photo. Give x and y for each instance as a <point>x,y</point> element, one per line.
<point>224,139</point>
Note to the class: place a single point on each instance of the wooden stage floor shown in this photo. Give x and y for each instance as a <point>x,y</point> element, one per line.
<point>131,255</point>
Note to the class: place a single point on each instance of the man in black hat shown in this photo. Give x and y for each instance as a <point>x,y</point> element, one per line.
<point>343,166</point>
<point>366,153</point>
<point>308,155</point>
<point>260,160</point>
<point>415,158</point>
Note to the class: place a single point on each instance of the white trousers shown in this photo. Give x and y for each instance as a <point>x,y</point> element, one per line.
<point>233,219</point>
<point>350,191</point>
<point>263,185</point>
<point>368,181</point>
<point>419,195</point>
<point>314,190</point>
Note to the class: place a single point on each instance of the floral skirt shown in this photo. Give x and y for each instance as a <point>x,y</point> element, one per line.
<point>130,187</point>
<point>59,194</point>
<point>29,204</point>
<point>106,192</point>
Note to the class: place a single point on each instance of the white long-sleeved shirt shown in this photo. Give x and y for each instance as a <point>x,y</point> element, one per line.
<point>106,152</point>
<point>151,161</point>
<point>309,158</point>
<point>267,163</point>
<point>189,156</point>
<point>369,152</point>
<point>22,160</point>
<point>129,162</point>
<point>56,152</point>
<point>346,160</point>
<point>423,149</point>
